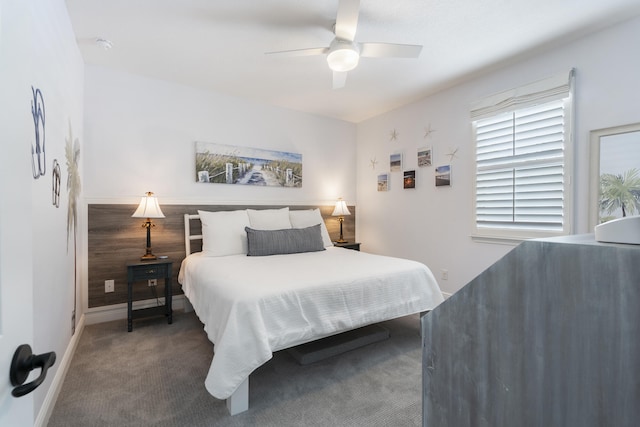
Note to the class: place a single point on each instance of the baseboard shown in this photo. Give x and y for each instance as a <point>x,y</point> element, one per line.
<point>56,385</point>
<point>446,295</point>
<point>119,311</point>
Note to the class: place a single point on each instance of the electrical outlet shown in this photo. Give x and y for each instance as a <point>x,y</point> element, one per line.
<point>152,282</point>
<point>109,286</point>
<point>444,274</point>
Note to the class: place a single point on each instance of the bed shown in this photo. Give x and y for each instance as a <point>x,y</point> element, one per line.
<point>267,280</point>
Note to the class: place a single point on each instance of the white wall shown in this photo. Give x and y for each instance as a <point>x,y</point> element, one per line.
<point>433,225</point>
<point>140,133</point>
<point>59,73</point>
<point>140,136</point>
<point>39,49</point>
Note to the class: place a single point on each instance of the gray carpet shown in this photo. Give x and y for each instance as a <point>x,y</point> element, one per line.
<point>154,376</point>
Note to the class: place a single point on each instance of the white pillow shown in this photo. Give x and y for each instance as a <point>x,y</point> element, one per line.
<point>223,232</point>
<point>307,218</point>
<point>269,219</point>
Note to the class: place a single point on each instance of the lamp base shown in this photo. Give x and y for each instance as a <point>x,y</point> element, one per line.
<point>341,239</point>
<point>148,256</point>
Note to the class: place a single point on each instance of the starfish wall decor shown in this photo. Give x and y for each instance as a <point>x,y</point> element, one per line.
<point>373,163</point>
<point>393,135</point>
<point>428,131</point>
<point>453,153</point>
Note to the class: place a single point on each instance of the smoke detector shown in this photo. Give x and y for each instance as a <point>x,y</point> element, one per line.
<point>104,43</point>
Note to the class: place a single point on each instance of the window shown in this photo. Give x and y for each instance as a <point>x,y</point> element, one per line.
<point>523,164</point>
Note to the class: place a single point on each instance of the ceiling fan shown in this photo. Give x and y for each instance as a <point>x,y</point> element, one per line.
<point>344,52</point>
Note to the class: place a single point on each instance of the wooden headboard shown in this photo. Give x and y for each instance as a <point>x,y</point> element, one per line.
<point>115,239</point>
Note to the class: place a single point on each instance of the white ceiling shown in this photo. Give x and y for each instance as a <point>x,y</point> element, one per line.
<point>219,45</point>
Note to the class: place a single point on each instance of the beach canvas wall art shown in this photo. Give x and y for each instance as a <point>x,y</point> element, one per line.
<point>230,164</point>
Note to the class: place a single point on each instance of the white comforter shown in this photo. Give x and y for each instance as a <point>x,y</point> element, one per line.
<point>253,306</point>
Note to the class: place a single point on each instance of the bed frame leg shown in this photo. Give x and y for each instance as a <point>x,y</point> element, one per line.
<point>239,401</point>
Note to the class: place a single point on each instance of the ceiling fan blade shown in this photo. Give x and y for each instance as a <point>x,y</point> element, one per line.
<point>347,19</point>
<point>339,79</point>
<point>384,50</point>
<point>300,52</point>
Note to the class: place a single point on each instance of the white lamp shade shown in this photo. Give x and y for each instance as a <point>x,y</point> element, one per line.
<point>343,55</point>
<point>341,209</point>
<point>148,207</point>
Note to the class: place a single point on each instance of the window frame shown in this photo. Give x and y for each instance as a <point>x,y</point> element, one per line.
<point>491,107</point>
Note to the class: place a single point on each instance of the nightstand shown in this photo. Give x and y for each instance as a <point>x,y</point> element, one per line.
<point>143,271</point>
<point>348,245</point>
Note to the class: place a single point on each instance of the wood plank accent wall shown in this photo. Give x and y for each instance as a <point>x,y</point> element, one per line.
<point>116,239</point>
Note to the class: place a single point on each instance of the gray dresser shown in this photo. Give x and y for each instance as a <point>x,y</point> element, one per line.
<point>547,336</point>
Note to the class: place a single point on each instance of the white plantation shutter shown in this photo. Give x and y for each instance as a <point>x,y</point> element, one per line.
<point>522,179</point>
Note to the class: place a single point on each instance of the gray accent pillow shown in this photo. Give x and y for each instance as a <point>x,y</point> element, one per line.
<point>286,241</point>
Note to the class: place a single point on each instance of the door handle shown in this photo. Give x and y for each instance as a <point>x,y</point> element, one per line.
<point>24,361</point>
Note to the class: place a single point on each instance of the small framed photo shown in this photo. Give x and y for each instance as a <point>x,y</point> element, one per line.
<point>424,156</point>
<point>383,182</point>
<point>410,179</point>
<point>443,175</point>
<point>395,162</point>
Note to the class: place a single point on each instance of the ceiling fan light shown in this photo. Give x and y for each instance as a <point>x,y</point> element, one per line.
<point>343,56</point>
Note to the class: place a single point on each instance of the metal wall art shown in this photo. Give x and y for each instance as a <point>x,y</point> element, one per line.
<point>72,154</point>
<point>38,157</point>
<point>55,184</point>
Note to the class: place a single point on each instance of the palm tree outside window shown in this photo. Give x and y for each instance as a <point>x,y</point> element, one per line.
<point>619,192</point>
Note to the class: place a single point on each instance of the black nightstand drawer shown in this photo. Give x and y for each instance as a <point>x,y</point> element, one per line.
<point>147,272</point>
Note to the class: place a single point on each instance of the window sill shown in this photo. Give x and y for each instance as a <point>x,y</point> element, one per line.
<point>510,241</point>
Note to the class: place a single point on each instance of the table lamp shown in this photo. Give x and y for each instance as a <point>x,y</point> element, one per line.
<point>340,211</point>
<point>148,209</point>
